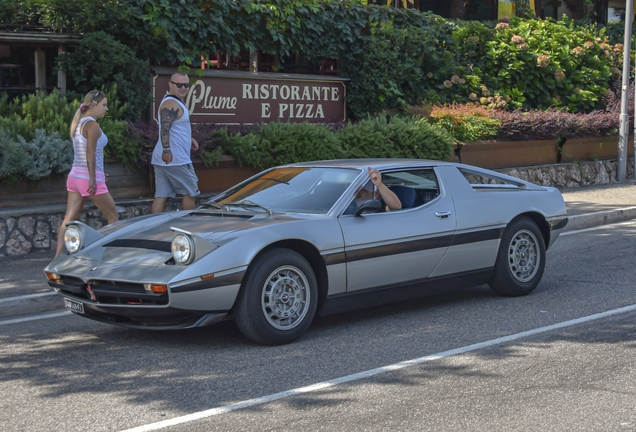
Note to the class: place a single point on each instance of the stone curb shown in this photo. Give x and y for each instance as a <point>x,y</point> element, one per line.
<point>590,220</point>
<point>32,303</point>
<point>44,302</point>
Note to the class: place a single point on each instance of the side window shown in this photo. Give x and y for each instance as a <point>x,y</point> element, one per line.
<point>414,187</point>
<point>478,178</point>
<point>481,181</point>
<point>362,194</point>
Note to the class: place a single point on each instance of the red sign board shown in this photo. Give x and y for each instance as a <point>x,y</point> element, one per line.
<point>235,98</point>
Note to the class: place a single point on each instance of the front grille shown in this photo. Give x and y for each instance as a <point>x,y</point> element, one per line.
<point>111,292</point>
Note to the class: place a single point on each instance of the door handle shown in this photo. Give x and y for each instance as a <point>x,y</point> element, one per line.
<point>442,214</point>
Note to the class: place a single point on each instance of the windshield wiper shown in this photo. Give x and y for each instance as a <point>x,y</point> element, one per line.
<point>274,180</point>
<point>248,203</point>
<point>215,205</point>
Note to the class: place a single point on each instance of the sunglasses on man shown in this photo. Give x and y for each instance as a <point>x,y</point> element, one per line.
<point>181,85</point>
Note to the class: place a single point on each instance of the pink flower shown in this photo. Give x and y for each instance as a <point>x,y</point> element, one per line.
<point>578,51</point>
<point>543,61</point>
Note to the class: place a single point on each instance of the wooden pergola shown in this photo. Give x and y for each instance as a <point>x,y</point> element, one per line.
<point>40,40</point>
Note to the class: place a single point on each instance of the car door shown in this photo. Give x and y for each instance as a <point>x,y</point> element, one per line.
<point>400,246</point>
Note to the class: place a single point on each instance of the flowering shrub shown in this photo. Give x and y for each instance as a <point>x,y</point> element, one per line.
<point>553,123</point>
<point>540,64</point>
<point>468,123</point>
<point>465,123</point>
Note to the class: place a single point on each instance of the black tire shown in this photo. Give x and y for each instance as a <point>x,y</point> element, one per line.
<point>520,261</point>
<point>278,298</point>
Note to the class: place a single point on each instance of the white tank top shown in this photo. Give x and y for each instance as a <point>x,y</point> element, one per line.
<point>180,138</point>
<point>80,165</point>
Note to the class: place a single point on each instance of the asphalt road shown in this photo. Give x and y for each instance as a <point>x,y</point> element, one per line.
<point>473,367</point>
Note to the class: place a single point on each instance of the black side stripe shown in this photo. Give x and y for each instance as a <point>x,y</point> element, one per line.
<point>215,282</point>
<point>399,248</point>
<point>335,258</point>
<point>477,236</point>
<point>413,246</point>
<point>558,224</point>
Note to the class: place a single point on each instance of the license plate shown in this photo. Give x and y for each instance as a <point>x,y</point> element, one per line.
<point>74,306</point>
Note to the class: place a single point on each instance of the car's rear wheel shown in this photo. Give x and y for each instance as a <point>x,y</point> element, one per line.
<point>278,298</point>
<point>521,259</point>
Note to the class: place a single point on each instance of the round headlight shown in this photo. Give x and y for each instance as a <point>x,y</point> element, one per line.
<point>73,239</point>
<point>182,249</point>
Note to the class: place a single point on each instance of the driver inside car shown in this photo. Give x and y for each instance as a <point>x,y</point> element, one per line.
<point>379,192</point>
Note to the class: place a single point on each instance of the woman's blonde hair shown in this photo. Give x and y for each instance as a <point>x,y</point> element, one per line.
<point>92,97</point>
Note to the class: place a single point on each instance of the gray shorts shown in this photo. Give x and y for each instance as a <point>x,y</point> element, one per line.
<point>171,181</point>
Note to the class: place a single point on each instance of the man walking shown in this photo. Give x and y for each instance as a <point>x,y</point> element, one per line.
<point>174,173</point>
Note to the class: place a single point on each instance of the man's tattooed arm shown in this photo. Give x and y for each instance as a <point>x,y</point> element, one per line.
<point>168,116</point>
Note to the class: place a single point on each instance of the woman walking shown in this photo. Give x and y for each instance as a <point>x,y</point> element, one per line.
<point>87,178</point>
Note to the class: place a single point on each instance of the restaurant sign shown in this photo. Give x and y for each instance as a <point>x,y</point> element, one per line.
<point>236,98</point>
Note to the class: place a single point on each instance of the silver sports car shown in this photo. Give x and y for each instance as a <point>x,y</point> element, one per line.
<point>302,239</point>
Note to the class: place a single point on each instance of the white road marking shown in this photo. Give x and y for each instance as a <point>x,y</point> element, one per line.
<point>35,317</point>
<point>366,374</point>
<point>29,296</point>
<point>596,228</point>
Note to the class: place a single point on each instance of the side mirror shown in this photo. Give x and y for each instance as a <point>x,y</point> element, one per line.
<point>369,206</point>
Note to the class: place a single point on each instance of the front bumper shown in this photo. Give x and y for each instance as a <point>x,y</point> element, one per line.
<point>130,305</point>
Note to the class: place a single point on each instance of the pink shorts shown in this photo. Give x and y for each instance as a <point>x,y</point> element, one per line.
<point>74,184</point>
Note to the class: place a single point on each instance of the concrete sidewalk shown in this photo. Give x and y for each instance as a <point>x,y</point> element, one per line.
<point>26,291</point>
<point>599,205</point>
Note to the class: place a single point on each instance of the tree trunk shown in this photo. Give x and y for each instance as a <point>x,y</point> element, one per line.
<point>457,8</point>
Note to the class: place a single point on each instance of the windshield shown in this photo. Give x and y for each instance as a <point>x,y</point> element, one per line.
<point>294,189</point>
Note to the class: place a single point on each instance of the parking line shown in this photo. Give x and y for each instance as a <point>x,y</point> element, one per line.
<point>366,374</point>
<point>34,317</point>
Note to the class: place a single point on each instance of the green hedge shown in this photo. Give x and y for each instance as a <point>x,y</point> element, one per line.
<point>395,57</point>
<point>380,137</point>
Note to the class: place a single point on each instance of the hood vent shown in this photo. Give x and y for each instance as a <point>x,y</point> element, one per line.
<point>221,214</point>
<point>158,245</point>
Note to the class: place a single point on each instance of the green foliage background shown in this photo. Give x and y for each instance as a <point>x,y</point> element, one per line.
<point>35,138</point>
<point>100,62</point>
<point>394,57</point>
<point>397,60</point>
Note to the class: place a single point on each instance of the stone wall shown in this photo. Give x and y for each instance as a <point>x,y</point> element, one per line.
<point>32,229</point>
<point>24,230</point>
<point>569,175</point>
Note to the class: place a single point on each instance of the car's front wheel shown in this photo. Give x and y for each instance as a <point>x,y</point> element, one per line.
<point>278,298</point>
<point>521,259</point>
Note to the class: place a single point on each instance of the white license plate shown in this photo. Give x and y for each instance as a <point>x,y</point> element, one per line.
<point>74,306</point>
